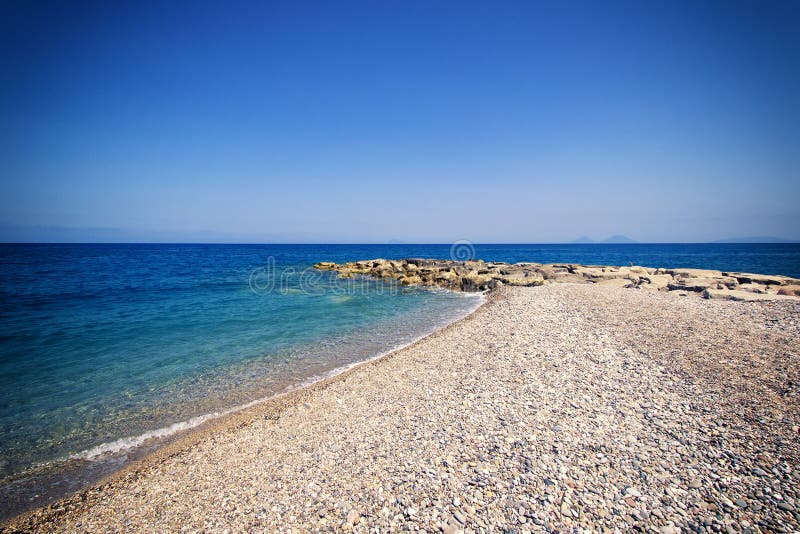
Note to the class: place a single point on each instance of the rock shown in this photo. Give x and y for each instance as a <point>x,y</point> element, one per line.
<point>461,518</point>
<point>475,282</point>
<point>633,492</point>
<point>740,295</point>
<point>522,279</point>
<point>654,282</point>
<point>755,288</point>
<point>790,290</point>
<point>353,517</point>
<point>616,282</point>
<point>763,279</point>
<point>599,274</point>
<point>694,273</point>
<point>481,276</point>
<point>693,283</point>
<point>410,280</point>
<point>566,511</point>
<point>695,484</point>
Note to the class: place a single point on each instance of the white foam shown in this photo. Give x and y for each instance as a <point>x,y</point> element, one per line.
<point>132,442</point>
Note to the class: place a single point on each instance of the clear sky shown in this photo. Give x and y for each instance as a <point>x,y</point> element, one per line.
<point>413,121</point>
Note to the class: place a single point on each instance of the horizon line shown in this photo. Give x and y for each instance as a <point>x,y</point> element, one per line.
<point>716,242</point>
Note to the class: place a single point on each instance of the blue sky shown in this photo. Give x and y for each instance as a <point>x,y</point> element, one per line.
<point>414,121</point>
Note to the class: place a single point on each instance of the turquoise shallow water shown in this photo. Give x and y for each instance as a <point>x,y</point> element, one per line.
<point>101,345</point>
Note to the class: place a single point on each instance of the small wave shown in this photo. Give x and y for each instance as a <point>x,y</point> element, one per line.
<point>131,442</point>
<point>135,441</point>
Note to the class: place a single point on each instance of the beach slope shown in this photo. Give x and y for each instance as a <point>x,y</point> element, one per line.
<point>556,406</point>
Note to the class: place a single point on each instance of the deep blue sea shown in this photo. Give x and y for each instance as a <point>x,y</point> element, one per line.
<point>105,346</point>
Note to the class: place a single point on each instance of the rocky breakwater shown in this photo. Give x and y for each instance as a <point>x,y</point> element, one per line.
<point>479,275</point>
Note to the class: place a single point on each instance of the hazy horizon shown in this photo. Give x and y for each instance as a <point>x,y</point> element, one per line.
<point>122,240</point>
<point>423,123</point>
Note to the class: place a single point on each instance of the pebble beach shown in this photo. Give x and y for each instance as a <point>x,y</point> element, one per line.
<point>552,408</point>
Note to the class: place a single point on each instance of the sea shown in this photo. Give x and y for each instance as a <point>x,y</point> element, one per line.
<point>108,351</point>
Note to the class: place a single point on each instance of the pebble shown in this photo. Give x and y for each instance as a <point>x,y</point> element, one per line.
<point>353,517</point>
<point>460,517</point>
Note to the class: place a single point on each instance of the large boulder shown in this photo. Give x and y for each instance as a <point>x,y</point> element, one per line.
<point>475,282</point>
<point>559,272</point>
<point>755,288</point>
<point>789,290</point>
<point>698,283</point>
<point>522,279</point>
<point>598,274</point>
<point>447,279</point>
<point>654,282</point>
<point>411,280</point>
<point>636,269</point>
<point>763,279</point>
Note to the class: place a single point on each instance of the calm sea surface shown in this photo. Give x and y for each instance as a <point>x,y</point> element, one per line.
<point>104,346</point>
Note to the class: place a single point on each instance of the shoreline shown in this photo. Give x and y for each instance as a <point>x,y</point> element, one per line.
<point>183,426</point>
<point>270,407</point>
<point>557,407</point>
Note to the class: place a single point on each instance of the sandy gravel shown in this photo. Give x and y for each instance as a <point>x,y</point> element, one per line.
<point>553,407</point>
